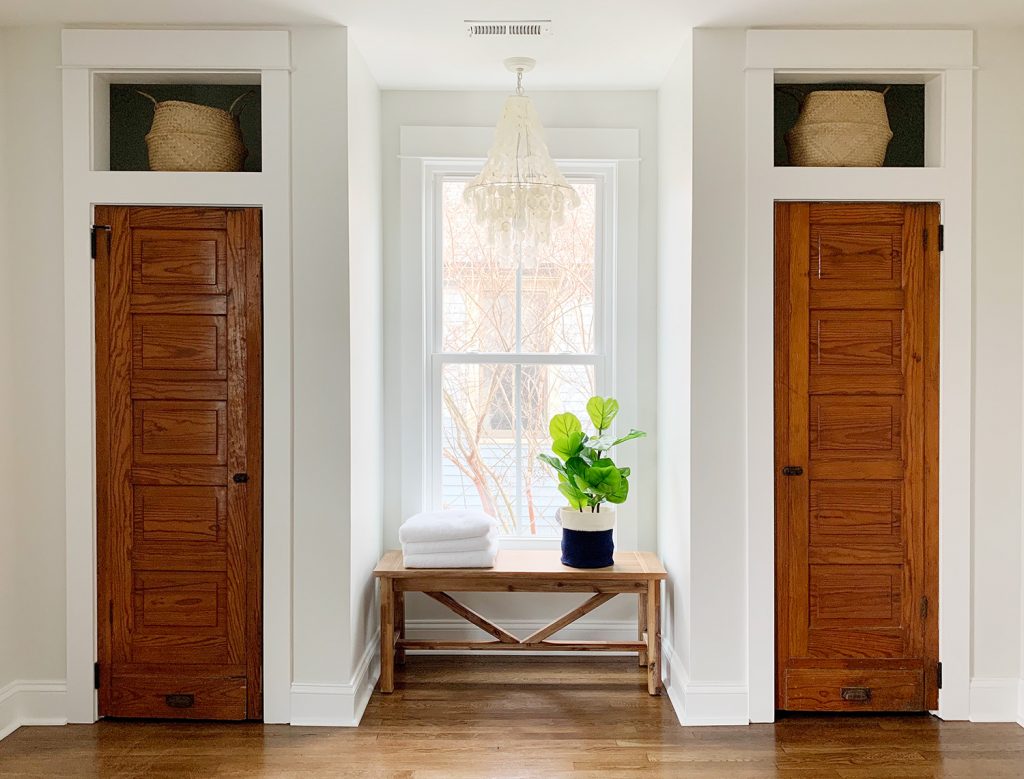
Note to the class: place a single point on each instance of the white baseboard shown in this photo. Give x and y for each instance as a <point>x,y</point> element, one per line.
<point>338,705</point>
<point>703,703</point>
<point>673,677</point>
<point>460,630</point>
<point>1020,702</point>
<point>32,703</point>
<point>995,700</point>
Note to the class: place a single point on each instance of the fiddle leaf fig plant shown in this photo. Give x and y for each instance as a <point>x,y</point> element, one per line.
<point>587,476</point>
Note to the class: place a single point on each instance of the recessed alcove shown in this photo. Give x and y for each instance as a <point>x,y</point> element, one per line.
<point>912,103</point>
<point>123,116</point>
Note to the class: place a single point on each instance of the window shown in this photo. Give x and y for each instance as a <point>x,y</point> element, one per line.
<point>513,341</point>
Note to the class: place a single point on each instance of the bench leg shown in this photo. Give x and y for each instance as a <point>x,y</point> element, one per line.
<point>387,635</point>
<point>641,627</point>
<point>399,625</point>
<point>654,637</point>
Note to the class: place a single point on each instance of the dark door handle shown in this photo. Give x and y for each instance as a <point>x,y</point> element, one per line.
<point>792,470</point>
<point>240,478</point>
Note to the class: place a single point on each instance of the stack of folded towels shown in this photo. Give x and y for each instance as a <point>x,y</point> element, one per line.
<point>449,539</point>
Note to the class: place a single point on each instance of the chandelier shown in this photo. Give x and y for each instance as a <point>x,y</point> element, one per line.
<point>520,194</point>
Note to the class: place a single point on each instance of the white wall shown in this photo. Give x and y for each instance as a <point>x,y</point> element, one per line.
<point>675,214</point>
<point>366,336</point>
<point>321,651</point>
<point>557,110</point>
<point>32,605</point>
<point>338,374</point>
<point>718,399</point>
<point>999,253</point>
<point>9,666</point>
<point>32,345</point>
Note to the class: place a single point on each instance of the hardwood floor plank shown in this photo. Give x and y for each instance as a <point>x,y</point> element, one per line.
<point>521,718</point>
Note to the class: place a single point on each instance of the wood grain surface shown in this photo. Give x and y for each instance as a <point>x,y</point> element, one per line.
<point>856,400</point>
<point>522,718</point>
<point>179,412</point>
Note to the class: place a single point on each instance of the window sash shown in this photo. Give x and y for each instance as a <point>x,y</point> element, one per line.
<point>601,359</point>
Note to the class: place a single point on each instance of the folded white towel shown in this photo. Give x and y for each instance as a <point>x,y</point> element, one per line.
<point>482,558</point>
<point>446,526</point>
<point>455,545</point>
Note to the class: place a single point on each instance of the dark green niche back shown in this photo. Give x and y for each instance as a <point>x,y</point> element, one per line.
<point>904,103</point>
<point>131,116</point>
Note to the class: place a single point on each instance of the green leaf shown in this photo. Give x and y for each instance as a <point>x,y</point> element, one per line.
<point>602,411</point>
<point>577,499</point>
<point>604,480</point>
<point>624,472</point>
<point>564,425</point>
<point>601,443</point>
<point>629,437</point>
<point>568,446</point>
<point>604,462</point>
<point>554,462</point>
<point>575,466</point>
<point>619,496</point>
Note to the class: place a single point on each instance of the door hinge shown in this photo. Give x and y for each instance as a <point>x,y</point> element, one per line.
<point>92,238</point>
<point>938,675</point>
<point>942,237</point>
<point>110,611</point>
<point>924,607</point>
<point>96,676</point>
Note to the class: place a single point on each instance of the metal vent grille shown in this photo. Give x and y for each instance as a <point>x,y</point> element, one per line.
<point>519,28</point>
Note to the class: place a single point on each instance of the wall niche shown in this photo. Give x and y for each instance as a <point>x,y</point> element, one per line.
<point>904,103</point>
<point>131,115</point>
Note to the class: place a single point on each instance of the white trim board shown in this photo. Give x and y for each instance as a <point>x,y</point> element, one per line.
<point>704,703</point>
<point>176,50</point>
<point>32,703</point>
<point>947,56</point>
<point>111,50</point>
<point>994,700</point>
<point>425,151</point>
<point>338,705</point>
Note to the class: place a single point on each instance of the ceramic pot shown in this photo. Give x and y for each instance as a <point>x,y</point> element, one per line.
<point>587,540</point>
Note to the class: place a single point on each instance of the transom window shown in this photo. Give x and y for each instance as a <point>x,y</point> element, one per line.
<point>517,337</point>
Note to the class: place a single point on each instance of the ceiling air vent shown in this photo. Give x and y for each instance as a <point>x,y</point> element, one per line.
<point>519,28</point>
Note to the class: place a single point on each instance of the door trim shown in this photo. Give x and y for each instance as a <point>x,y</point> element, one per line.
<point>270,190</point>
<point>950,184</point>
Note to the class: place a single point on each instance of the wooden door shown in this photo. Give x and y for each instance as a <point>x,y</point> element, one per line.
<point>856,456</point>
<point>179,462</point>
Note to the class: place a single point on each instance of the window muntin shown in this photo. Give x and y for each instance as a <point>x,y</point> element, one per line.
<point>515,342</point>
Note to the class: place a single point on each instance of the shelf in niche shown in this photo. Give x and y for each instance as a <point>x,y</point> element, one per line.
<point>123,116</point>
<point>912,105</point>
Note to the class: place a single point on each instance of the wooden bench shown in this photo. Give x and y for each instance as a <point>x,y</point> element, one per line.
<point>639,573</point>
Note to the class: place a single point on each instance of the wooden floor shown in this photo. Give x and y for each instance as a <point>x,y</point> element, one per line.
<point>522,717</point>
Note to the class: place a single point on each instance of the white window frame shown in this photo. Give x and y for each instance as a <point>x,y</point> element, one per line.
<point>603,357</point>
<point>609,155</point>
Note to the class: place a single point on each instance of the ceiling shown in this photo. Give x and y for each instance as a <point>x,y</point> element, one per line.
<point>595,44</point>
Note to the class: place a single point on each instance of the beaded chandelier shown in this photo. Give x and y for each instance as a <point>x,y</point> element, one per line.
<point>520,193</point>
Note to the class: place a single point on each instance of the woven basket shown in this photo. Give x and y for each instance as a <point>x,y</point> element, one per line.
<point>187,136</point>
<point>840,129</point>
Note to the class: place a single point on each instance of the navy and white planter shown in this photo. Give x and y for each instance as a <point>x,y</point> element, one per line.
<point>587,540</point>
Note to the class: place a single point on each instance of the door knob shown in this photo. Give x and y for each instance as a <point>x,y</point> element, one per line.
<point>792,470</point>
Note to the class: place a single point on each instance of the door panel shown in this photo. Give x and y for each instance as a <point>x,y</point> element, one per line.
<point>178,327</point>
<point>856,406</point>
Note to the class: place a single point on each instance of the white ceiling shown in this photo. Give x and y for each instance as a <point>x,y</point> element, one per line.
<point>596,44</point>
